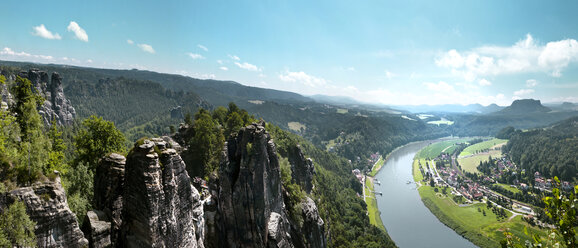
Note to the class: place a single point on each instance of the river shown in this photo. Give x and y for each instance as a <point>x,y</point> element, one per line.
<point>408,222</point>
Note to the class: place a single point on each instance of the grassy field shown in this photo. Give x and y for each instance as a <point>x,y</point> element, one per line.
<point>510,188</point>
<point>296,126</point>
<point>473,149</point>
<point>342,111</point>
<point>471,163</point>
<point>435,149</point>
<point>417,176</point>
<point>469,159</point>
<point>377,166</point>
<point>372,210</point>
<point>484,231</point>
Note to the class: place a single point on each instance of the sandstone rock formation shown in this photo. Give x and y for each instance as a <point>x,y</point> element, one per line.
<point>159,200</point>
<point>313,228</point>
<point>145,200</point>
<point>250,200</point>
<point>46,204</point>
<point>302,169</point>
<point>55,107</point>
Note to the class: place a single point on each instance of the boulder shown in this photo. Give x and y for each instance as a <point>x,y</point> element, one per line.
<point>46,204</point>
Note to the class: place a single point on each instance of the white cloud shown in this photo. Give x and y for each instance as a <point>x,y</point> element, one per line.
<point>484,82</point>
<point>195,56</point>
<point>44,33</point>
<point>203,47</point>
<point>233,57</point>
<point>389,74</point>
<point>147,48</point>
<point>439,87</point>
<point>531,83</point>
<point>524,56</point>
<point>557,55</point>
<point>9,53</point>
<point>303,78</point>
<point>351,68</point>
<point>220,62</point>
<point>247,66</point>
<point>451,59</point>
<point>224,68</point>
<point>523,92</point>
<point>130,42</point>
<point>79,33</point>
<point>89,61</point>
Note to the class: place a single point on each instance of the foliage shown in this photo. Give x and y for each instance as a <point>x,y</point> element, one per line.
<point>97,138</point>
<point>294,191</point>
<point>551,151</point>
<point>206,143</point>
<point>16,228</point>
<point>79,189</point>
<point>205,137</point>
<point>562,210</point>
<point>56,155</point>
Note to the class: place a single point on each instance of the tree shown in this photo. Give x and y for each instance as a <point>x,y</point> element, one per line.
<point>56,154</point>
<point>234,123</point>
<point>34,146</point>
<point>97,138</point>
<point>16,226</point>
<point>220,115</point>
<point>206,143</point>
<point>188,119</point>
<point>562,210</point>
<point>25,107</point>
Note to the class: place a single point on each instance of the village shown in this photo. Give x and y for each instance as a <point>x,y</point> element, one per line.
<point>444,172</point>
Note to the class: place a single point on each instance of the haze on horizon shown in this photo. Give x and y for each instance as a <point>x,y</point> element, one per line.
<point>394,53</point>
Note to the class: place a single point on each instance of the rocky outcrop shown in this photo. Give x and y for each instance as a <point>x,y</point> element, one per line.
<point>250,201</point>
<point>46,204</point>
<point>302,169</point>
<point>55,107</point>
<point>145,200</point>
<point>313,228</point>
<point>177,113</point>
<point>108,190</point>
<point>160,206</point>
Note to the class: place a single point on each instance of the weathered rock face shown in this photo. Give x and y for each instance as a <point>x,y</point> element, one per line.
<point>108,190</point>
<point>160,206</point>
<point>177,113</point>
<point>313,228</point>
<point>55,107</point>
<point>250,202</point>
<point>97,228</point>
<point>302,169</point>
<point>7,98</point>
<point>56,225</point>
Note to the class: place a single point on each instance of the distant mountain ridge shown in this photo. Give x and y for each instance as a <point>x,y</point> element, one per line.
<point>525,106</point>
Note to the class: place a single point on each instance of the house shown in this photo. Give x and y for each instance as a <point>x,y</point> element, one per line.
<point>523,186</point>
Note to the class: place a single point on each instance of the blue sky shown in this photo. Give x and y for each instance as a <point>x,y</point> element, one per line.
<point>390,52</point>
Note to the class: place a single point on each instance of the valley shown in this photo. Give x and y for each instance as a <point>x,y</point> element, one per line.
<point>337,140</point>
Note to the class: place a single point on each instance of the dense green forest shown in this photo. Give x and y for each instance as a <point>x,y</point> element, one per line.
<point>550,151</point>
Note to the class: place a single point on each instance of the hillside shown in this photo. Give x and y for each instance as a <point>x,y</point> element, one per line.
<point>550,151</point>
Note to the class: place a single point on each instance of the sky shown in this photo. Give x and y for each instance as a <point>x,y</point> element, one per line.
<point>386,52</point>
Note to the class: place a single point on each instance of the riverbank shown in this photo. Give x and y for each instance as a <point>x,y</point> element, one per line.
<point>475,222</point>
<point>372,210</point>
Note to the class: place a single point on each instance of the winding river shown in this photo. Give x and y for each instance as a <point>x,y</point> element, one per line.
<point>408,222</point>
